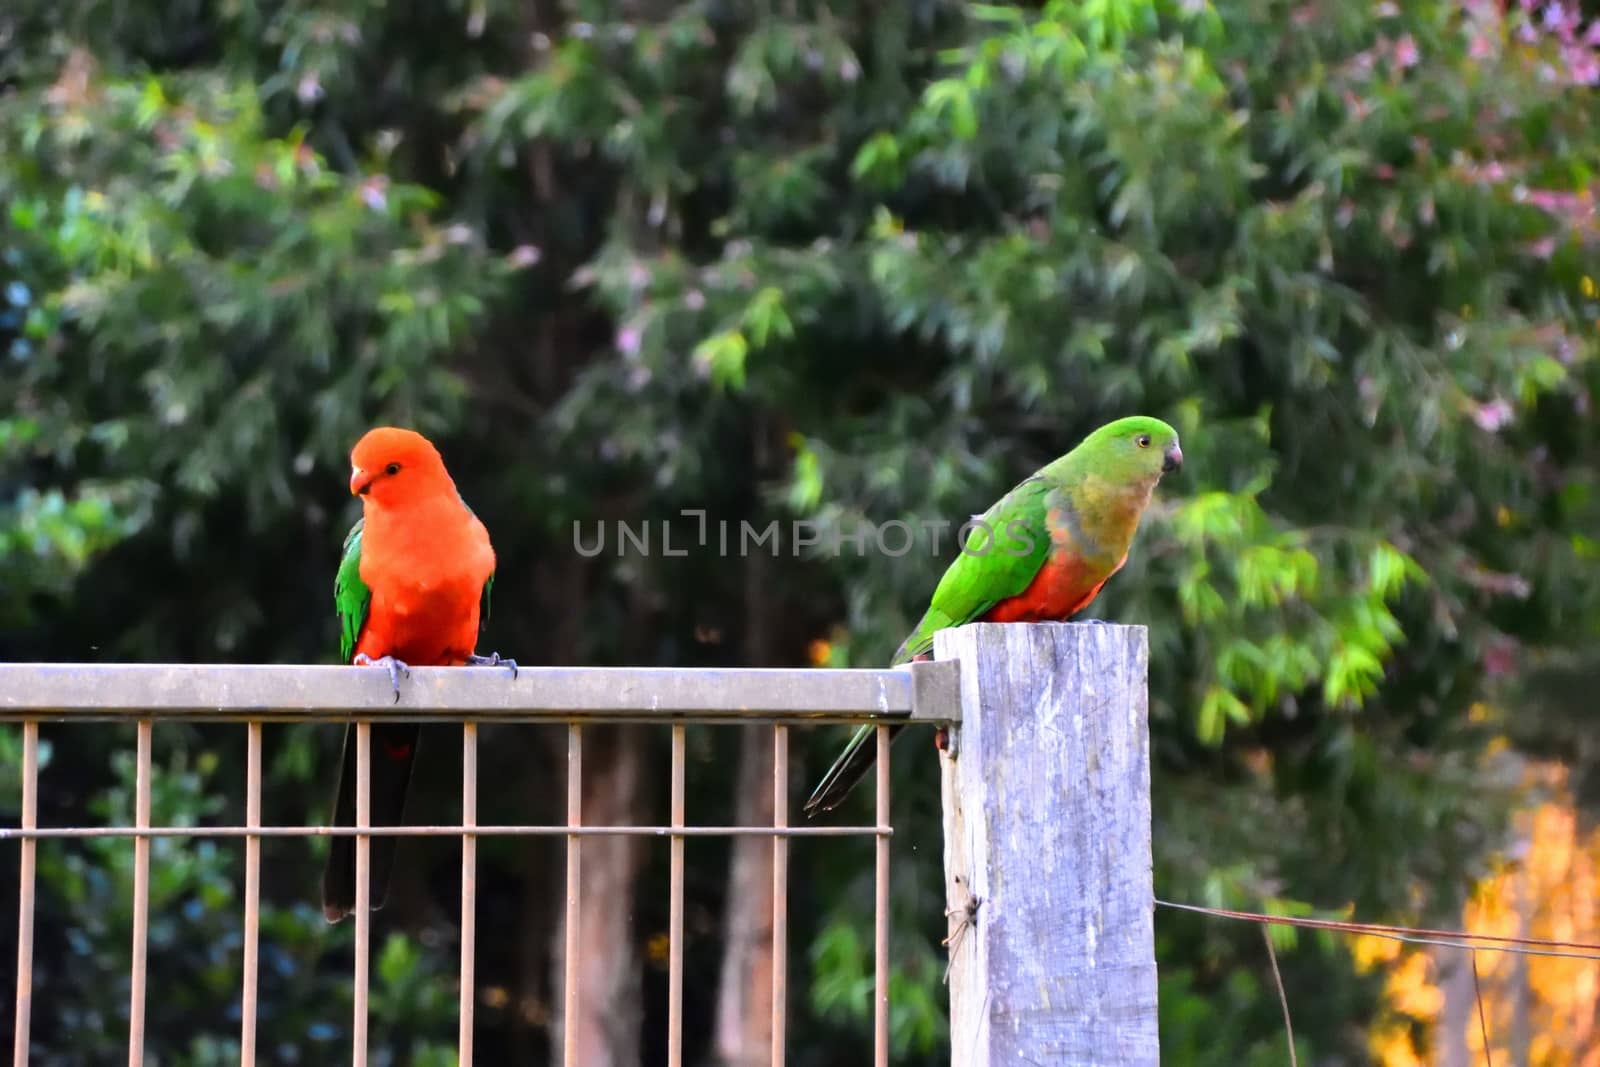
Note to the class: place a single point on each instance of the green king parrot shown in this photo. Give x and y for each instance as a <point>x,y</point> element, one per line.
<point>1040,554</point>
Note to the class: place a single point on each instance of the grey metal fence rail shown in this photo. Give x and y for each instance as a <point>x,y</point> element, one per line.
<point>31,693</point>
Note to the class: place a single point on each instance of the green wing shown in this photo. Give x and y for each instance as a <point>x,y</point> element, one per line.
<point>984,574</point>
<point>350,594</point>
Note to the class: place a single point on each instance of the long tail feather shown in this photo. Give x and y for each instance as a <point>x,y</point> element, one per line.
<point>394,750</point>
<point>851,766</point>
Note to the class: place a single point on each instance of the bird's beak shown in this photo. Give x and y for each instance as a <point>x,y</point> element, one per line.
<point>1172,460</point>
<point>360,482</point>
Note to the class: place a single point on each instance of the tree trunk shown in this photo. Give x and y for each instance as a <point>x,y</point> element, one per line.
<point>1460,1012</point>
<point>610,1010</point>
<point>1521,991</point>
<point>561,591</point>
<point>744,999</point>
<point>743,1036</point>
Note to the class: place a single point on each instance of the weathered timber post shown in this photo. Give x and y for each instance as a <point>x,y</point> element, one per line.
<point>1047,847</point>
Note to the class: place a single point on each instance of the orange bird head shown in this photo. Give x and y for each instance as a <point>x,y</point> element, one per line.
<point>389,465</point>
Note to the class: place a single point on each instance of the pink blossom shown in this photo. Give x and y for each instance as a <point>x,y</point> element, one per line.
<point>1493,415</point>
<point>1500,657</point>
<point>1583,66</point>
<point>1405,51</point>
<point>1543,248</point>
<point>1557,19</point>
<point>628,340</point>
<point>375,192</point>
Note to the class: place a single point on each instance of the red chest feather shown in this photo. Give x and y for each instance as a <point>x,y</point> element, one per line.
<point>1064,586</point>
<point>426,579</point>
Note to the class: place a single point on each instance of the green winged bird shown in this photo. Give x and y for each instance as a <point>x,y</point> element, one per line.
<point>1040,554</point>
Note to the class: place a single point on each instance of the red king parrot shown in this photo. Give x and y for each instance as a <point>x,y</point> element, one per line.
<point>412,588</point>
<point>1057,538</point>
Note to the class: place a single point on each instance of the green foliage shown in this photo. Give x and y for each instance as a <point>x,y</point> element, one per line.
<point>843,990</point>
<point>847,263</point>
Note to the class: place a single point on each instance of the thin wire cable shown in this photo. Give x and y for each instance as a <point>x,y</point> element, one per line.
<point>1283,997</point>
<point>1411,935</point>
<point>569,960</point>
<point>880,917</point>
<point>469,894</point>
<point>141,897</point>
<point>675,901</point>
<point>25,890</point>
<point>252,897</point>
<point>1483,1021</point>
<point>358,1025</point>
<point>780,896</point>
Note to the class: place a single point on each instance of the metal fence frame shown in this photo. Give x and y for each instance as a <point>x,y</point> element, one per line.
<point>674,697</point>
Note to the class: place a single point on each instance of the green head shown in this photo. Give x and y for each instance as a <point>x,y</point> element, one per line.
<point>1135,449</point>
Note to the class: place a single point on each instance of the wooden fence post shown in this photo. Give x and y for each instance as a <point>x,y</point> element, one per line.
<point>1047,847</point>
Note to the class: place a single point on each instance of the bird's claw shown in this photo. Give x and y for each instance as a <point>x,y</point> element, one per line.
<point>493,659</point>
<point>396,669</point>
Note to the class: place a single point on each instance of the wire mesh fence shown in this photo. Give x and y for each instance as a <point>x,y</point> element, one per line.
<point>253,695</point>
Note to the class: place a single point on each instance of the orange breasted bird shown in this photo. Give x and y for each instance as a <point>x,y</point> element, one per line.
<point>412,589</point>
<point>1040,554</point>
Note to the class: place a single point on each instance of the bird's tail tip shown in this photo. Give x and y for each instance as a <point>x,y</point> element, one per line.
<point>841,778</point>
<point>815,806</point>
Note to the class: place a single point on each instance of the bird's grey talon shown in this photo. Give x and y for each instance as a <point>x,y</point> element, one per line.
<point>493,659</point>
<point>396,669</point>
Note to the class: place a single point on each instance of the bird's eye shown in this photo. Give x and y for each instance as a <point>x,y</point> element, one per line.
<point>1144,440</point>
<point>393,468</point>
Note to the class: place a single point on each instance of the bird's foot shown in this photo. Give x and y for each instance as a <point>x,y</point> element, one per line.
<point>1093,622</point>
<point>493,659</point>
<point>395,667</point>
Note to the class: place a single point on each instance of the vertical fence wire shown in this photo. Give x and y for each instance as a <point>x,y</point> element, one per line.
<point>880,918</point>
<point>780,892</point>
<point>141,896</point>
<point>469,889</point>
<point>252,894</point>
<point>569,987</point>
<point>675,907</point>
<point>30,821</point>
<point>358,1026</point>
